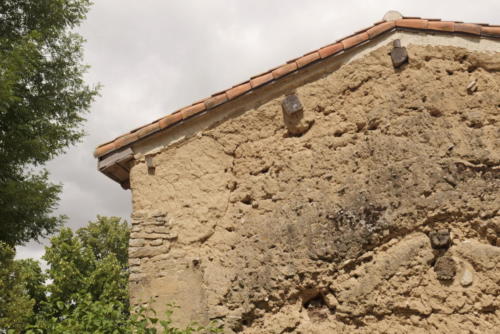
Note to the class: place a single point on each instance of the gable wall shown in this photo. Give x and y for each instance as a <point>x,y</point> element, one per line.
<point>265,231</point>
<point>312,73</point>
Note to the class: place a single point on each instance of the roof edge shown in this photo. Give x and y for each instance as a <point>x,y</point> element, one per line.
<point>206,105</point>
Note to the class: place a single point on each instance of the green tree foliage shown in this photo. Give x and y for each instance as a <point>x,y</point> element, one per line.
<point>21,285</point>
<point>84,290</point>
<point>88,280</point>
<point>42,101</point>
<point>33,279</point>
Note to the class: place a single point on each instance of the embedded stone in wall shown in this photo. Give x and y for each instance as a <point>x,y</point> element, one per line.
<point>445,268</point>
<point>156,242</point>
<point>136,242</point>
<point>294,117</point>
<point>145,251</point>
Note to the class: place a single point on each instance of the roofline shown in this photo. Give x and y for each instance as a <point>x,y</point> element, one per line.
<point>360,37</point>
<point>115,157</point>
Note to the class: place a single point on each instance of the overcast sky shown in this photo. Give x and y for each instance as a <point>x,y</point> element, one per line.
<point>153,57</point>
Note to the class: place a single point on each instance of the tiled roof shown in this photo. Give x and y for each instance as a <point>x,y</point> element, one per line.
<point>358,38</point>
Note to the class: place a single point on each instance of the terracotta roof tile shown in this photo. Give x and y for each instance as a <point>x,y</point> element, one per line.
<point>148,129</point>
<point>491,31</point>
<point>214,101</point>
<point>442,26</point>
<point>307,59</point>
<point>166,121</point>
<point>380,29</point>
<point>330,50</point>
<point>238,90</point>
<point>192,110</point>
<point>412,23</point>
<point>126,139</point>
<point>284,70</point>
<point>356,39</point>
<point>468,28</point>
<point>104,149</point>
<point>262,79</point>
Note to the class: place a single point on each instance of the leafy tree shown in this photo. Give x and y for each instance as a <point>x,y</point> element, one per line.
<point>21,287</point>
<point>43,98</point>
<point>88,289</point>
<point>106,236</point>
<point>88,280</point>
<point>33,279</point>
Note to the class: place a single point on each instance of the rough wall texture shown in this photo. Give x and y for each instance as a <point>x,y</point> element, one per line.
<point>329,231</point>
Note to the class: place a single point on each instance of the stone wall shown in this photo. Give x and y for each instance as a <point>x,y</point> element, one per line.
<point>326,229</point>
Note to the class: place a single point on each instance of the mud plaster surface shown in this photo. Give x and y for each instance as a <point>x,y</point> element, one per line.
<point>327,232</point>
